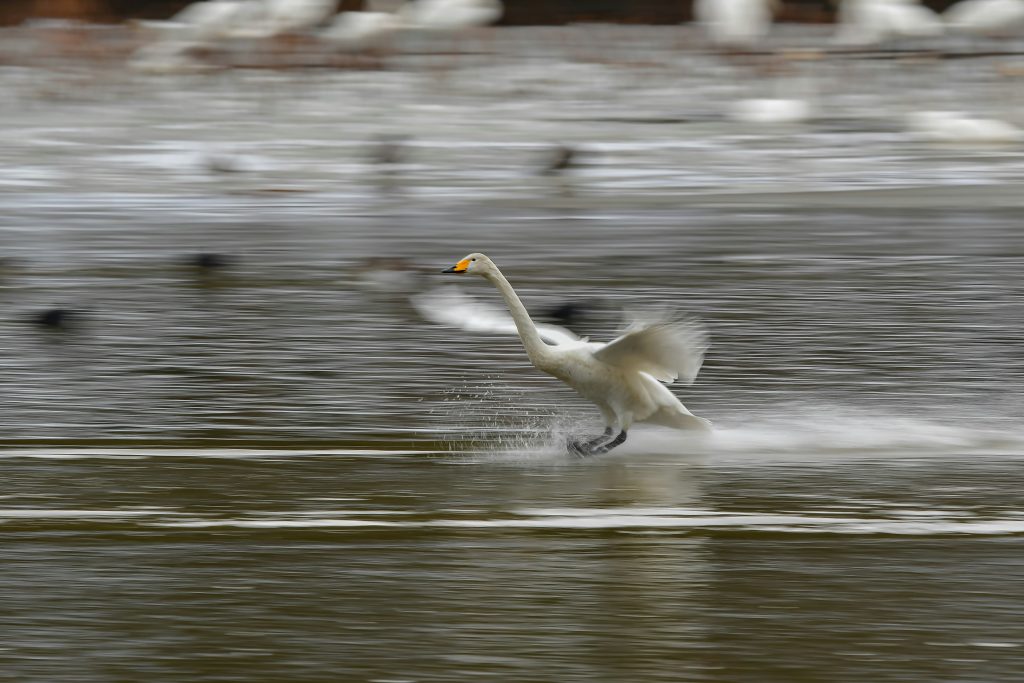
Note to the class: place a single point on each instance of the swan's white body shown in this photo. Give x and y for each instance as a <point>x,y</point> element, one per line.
<point>208,21</point>
<point>197,25</point>
<point>623,377</point>
<point>986,17</point>
<point>869,22</point>
<point>280,17</point>
<point>956,127</point>
<point>771,110</point>
<point>451,15</point>
<point>361,30</point>
<point>734,23</point>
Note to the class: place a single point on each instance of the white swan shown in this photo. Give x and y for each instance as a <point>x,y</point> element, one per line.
<point>201,24</point>
<point>986,17</point>
<point>771,110</point>
<point>283,17</point>
<point>360,31</point>
<point>623,377</point>
<point>959,128</point>
<point>206,22</point>
<point>735,23</point>
<point>451,15</point>
<point>870,22</point>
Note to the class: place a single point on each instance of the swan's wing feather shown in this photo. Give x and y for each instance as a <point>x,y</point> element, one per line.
<point>665,349</point>
<point>451,307</point>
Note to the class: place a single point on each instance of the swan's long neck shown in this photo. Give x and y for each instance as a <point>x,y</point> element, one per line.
<point>535,347</point>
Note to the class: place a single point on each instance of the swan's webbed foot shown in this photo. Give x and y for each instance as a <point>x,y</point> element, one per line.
<point>596,446</point>
<point>584,448</point>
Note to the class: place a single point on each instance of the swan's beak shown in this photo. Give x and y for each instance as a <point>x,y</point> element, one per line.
<point>459,267</point>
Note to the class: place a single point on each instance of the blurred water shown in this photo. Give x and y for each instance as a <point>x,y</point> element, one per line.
<point>277,471</point>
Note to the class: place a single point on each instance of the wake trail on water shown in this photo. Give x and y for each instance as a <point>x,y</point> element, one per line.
<point>813,434</point>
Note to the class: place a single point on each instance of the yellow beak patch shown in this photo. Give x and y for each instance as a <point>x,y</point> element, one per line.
<point>461,266</point>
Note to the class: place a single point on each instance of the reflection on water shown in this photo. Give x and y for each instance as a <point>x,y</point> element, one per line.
<point>233,565</point>
<point>274,469</point>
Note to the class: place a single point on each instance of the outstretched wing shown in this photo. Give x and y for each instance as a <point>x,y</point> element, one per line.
<point>665,349</point>
<point>451,307</point>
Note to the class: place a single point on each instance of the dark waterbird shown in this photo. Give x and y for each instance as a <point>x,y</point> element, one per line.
<point>209,263</point>
<point>56,319</point>
<point>575,313</point>
<point>389,150</point>
<point>560,159</point>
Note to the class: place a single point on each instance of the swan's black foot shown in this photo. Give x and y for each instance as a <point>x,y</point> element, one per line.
<point>604,448</point>
<point>595,446</point>
<point>584,448</point>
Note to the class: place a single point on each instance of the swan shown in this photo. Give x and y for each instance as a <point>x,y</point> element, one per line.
<point>623,377</point>
<point>771,110</point>
<point>206,22</point>
<point>451,15</point>
<point>870,22</point>
<point>360,31</point>
<point>957,127</point>
<point>986,17</point>
<point>735,23</point>
<point>201,24</point>
<point>285,17</point>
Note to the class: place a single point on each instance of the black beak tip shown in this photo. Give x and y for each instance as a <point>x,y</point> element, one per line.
<point>451,270</point>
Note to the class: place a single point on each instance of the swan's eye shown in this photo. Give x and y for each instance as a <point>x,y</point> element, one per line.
<point>472,259</point>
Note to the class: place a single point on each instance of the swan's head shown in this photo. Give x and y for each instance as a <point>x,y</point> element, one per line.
<point>478,264</point>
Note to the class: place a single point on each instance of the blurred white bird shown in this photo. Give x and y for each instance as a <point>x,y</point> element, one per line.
<point>452,307</point>
<point>282,17</point>
<point>211,20</point>
<point>199,25</point>
<point>623,377</point>
<point>361,31</point>
<point>789,87</point>
<point>395,276</point>
<point>986,17</point>
<point>870,22</point>
<point>735,23</point>
<point>769,110</point>
<point>957,127</point>
<point>451,15</point>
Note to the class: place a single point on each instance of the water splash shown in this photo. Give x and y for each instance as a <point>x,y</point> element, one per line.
<point>806,433</point>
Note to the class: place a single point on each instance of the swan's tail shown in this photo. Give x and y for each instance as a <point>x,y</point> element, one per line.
<point>669,417</point>
<point>669,411</point>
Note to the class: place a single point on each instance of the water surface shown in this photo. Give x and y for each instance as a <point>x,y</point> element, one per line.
<point>278,471</point>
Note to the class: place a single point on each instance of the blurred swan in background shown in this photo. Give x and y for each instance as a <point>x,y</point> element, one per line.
<point>986,17</point>
<point>957,127</point>
<point>735,23</point>
<point>452,307</point>
<point>392,276</point>
<point>870,22</point>
<point>198,25</point>
<point>362,31</point>
<point>214,23</point>
<point>212,20</point>
<point>623,377</point>
<point>451,15</point>
<point>791,91</point>
<point>282,17</point>
<point>769,110</point>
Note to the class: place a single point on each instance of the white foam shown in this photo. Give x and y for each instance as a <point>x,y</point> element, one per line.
<point>818,435</point>
<point>682,519</point>
<point>49,513</point>
<point>46,453</point>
